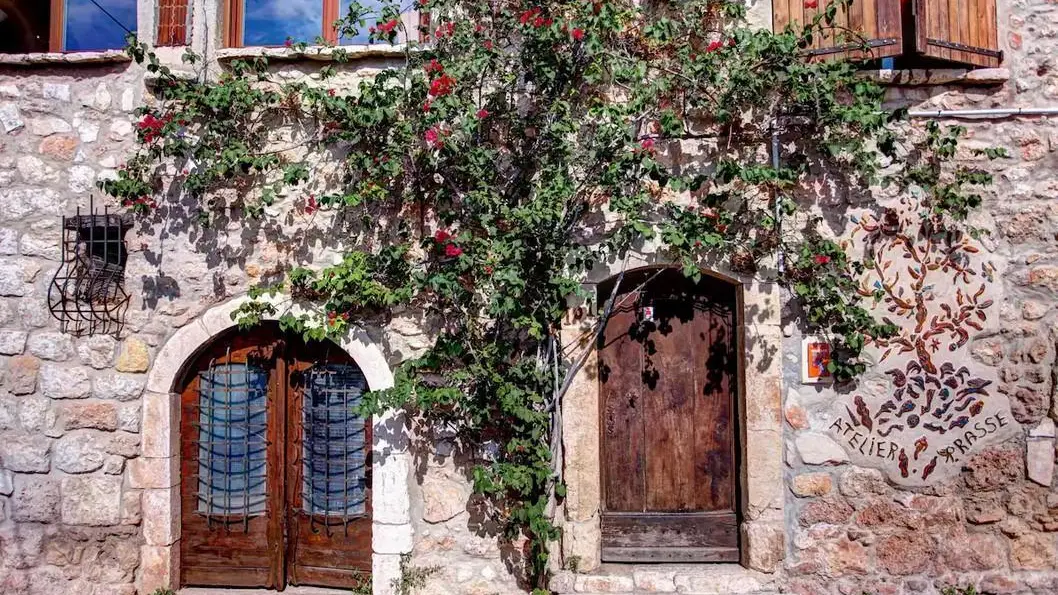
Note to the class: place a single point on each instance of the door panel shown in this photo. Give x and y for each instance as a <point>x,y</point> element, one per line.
<point>229,485</point>
<point>329,495</point>
<point>275,465</point>
<point>620,361</point>
<point>667,382</point>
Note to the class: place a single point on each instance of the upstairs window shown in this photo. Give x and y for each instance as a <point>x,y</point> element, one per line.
<point>65,25</point>
<point>915,33</point>
<point>272,22</point>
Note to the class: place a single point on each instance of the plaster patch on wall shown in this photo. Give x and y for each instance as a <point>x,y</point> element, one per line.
<point>928,406</point>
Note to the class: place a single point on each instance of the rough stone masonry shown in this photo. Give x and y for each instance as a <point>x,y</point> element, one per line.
<point>74,476</point>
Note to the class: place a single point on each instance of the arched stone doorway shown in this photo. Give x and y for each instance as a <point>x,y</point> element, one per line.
<point>756,421</point>
<point>158,471</point>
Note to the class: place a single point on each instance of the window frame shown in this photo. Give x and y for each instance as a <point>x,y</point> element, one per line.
<point>235,19</point>
<point>57,30</point>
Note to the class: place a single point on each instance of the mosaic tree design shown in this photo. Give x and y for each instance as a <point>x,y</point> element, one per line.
<point>938,406</point>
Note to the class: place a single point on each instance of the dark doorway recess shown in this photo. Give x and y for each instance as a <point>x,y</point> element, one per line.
<point>668,371</point>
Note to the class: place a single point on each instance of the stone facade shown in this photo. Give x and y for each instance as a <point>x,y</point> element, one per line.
<point>88,474</point>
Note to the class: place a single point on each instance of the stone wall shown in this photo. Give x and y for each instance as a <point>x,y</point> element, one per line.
<point>73,471</point>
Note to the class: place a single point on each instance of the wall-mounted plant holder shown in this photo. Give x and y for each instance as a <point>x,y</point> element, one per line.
<point>87,294</point>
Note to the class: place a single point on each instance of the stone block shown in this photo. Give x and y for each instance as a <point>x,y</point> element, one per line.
<point>1034,551</point>
<point>1039,460</point>
<point>51,346</point>
<point>652,580</point>
<point>161,516</point>
<point>135,356</point>
<point>819,449</point>
<point>391,539</point>
<point>25,452</point>
<point>22,372</point>
<point>64,383</point>
<point>604,583</point>
<point>82,451</point>
<point>120,387</point>
<point>764,545</point>
<point>12,342</point>
<point>171,358</point>
<point>151,472</point>
<point>385,569</point>
<point>12,280</point>
<point>443,497</point>
<point>161,425</point>
<point>582,540</point>
<point>97,351</point>
<point>810,485</point>
<point>392,504</point>
<point>7,482</point>
<point>91,500</point>
<point>35,499</point>
<point>905,553</point>
<point>158,568</point>
<point>96,415</point>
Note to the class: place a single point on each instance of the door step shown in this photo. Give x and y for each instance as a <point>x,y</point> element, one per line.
<point>286,591</point>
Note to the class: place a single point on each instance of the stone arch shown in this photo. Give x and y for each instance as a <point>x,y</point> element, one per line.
<point>759,403</point>
<point>156,471</point>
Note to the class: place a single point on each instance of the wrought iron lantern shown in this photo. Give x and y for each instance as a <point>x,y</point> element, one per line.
<point>87,294</point>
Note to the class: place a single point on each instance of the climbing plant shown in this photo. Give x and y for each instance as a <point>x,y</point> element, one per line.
<point>525,143</point>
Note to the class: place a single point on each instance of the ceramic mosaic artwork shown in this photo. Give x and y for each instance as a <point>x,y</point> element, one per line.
<point>937,407</point>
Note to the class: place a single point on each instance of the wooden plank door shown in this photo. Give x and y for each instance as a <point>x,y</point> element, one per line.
<point>329,491</point>
<point>667,382</point>
<point>275,465</point>
<point>231,485</point>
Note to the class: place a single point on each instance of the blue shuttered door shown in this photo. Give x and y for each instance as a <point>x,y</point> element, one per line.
<point>335,442</point>
<point>232,442</point>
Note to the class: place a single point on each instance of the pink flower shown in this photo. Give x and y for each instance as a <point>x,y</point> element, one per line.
<point>434,66</point>
<point>441,236</point>
<point>822,259</point>
<point>487,43</point>
<point>426,106</point>
<point>388,26</point>
<point>330,92</point>
<point>483,113</point>
<point>289,42</point>
<point>433,138</point>
<point>714,46</point>
<point>647,145</point>
<point>452,250</point>
<point>578,34</point>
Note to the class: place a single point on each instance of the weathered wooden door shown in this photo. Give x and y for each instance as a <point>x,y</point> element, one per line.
<point>275,465</point>
<point>667,379</point>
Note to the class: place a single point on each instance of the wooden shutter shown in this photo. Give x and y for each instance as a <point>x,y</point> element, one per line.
<point>878,21</point>
<point>958,30</point>
<point>172,22</point>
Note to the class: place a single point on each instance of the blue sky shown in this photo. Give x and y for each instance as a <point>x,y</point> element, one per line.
<point>89,28</point>
<point>270,22</point>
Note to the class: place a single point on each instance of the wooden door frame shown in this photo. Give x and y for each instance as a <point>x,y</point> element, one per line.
<point>156,471</point>
<point>758,403</point>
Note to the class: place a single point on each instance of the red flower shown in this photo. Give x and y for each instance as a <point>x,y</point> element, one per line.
<point>388,26</point>
<point>714,46</point>
<point>442,85</point>
<point>441,236</point>
<point>478,28</point>
<point>433,138</point>
<point>423,2</point>
<point>487,43</point>
<point>528,15</point>
<point>483,113</point>
<point>311,207</point>
<point>426,106</point>
<point>444,30</point>
<point>811,4</point>
<point>488,269</point>
<point>822,259</point>
<point>452,250</point>
<point>578,34</point>
<point>731,42</point>
<point>289,43</point>
<point>330,92</point>
<point>434,66</point>
<point>647,145</point>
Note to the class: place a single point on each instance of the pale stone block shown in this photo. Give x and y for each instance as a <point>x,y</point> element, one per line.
<point>91,500</point>
<point>385,569</point>
<point>580,441</point>
<point>153,472</point>
<point>160,424</point>
<point>583,541</point>
<point>764,481</point>
<point>762,305</point>
<point>159,568</point>
<point>763,400</point>
<point>171,358</point>
<point>604,583</point>
<point>1040,460</point>
<point>1044,430</point>
<point>820,449</point>
<point>391,503</point>
<point>391,539</point>
<point>726,579</point>
<point>652,580</point>
<point>161,516</point>
<point>443,497</point>
<point>218,318</point>
<point>389,433</point>
<point>763,545</point>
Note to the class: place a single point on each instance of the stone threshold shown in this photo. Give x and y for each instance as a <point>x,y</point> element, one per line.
<point>315,53</point>
<point>67,58</point>
<point>691,579</point>
<point>287,591</point>
<point>983,77</point>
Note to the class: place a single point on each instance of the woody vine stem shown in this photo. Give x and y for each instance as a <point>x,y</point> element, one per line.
<point>525,143</point>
